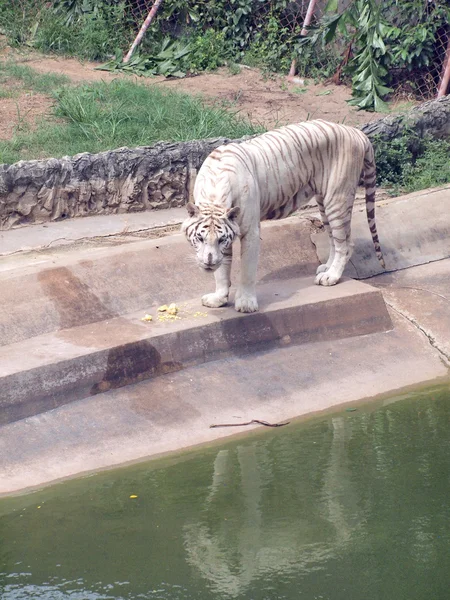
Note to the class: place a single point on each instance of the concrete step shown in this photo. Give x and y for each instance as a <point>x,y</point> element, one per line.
<point>413,229</point>
<point>57,367</point>
<point>63,288</point>
<point>44,288</point>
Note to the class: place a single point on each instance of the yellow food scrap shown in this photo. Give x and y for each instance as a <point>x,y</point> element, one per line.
<point>200,314</point>
<point>133,496</point>
<point>168,317</point>
<point>173,309</point>
<point>147,318</point>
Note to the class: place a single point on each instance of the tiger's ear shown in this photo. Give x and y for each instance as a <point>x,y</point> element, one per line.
<point>233,213</point>
<point>192,209</point>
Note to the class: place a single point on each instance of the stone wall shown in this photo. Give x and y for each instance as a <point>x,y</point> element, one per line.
<point>119,181</point>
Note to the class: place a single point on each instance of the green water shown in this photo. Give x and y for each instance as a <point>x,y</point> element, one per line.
<point>354,506</point>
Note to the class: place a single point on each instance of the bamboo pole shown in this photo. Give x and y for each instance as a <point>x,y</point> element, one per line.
<point>443,86</point>
<point>304,31</point>
<point>143,29</point>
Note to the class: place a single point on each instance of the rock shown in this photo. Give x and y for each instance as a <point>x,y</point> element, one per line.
<point>429,118</point>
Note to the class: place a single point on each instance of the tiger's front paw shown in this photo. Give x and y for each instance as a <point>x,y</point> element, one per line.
<point>321,269</point>
<point>246,303</point>
<point>327,278</point>
<point>214,300</point>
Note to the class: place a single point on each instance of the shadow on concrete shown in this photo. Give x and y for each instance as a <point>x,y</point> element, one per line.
<point>290,272</point>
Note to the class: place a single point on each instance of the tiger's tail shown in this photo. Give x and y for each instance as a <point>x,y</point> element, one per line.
<point>369,184</point>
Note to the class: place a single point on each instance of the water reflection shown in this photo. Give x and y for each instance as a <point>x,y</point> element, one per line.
<point>352,506</point>
<point>262,537</point>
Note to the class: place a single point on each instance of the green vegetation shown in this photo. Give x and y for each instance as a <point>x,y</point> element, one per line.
<point>376,46</point>
<point>431,169</point>
<point>408,164</point>
<point>384,41</point>
<point>30,79</point>
<point>90,30</point>
<point>102,116</point>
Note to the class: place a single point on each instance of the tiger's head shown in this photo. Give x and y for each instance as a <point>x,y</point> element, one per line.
<point>211,231</point>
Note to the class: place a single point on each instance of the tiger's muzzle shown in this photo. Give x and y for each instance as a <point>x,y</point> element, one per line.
<point>209,258</point>
<point>209,265</point>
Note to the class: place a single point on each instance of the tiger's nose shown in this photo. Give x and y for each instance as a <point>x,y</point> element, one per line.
<point>210,258</point>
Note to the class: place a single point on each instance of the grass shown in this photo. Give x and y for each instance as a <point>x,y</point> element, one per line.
<point>431,169</point>
<point>8,92</point>
<point>30,79</point>
<point>408,163</point>
<point>103,116</point>
<point>96,30</point>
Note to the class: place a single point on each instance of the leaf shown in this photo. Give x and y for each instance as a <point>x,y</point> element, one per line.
<point>380,105</point>
<point>193,15</point>
<point>363,86</point>
<point>377,42</point>
<point>166,67</point>
<point>332,26</point>
<point>365,73</point>
<point>366,102</point>
<point>165,44</point>
<point>332,6</point>
<point>183,51</point>
<point>325,93</point>
<point>237,16</point>
<point>383,90</point>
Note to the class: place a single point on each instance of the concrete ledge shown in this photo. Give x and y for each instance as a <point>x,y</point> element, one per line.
<point>90,231</point>
<point>45,292</point>
<point>52,369</point>
<point>137,422</point>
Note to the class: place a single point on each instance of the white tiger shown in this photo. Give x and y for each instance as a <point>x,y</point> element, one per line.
<point>269,177</point>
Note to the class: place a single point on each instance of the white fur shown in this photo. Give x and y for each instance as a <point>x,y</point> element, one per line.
<point>269,177</point>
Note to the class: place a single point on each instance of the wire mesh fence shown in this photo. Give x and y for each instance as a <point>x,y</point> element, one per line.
<point>257,32</point>
<point>273,27</point>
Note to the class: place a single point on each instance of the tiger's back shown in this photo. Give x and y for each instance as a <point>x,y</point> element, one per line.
<point>313,158</point>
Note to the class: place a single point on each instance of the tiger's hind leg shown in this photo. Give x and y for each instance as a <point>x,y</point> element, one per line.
<point>338,212</point>
<point>245,300</point>
<point>324,267</point>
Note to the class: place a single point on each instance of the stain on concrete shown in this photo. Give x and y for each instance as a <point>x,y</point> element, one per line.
<point>74,300</point>
<point>131,363</point>
<point>165,403</point>
<point>290,272</point>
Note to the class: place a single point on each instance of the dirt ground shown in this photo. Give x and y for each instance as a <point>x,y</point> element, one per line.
<point>272,101</point>
<point>21,111</point>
